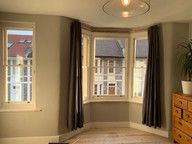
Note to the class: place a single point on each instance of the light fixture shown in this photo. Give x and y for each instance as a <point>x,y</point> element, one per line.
<point>126,8</point>
<point>125,2</point>
<point>125,14</point>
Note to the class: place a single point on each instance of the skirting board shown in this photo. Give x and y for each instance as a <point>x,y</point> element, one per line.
<point>63,137</point>
<point>141,127</point>
<point>145,128</point>
<point>71,134</point>
<point>29,140</point>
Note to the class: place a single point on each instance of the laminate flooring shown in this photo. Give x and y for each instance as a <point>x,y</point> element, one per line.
<point>117,136</point>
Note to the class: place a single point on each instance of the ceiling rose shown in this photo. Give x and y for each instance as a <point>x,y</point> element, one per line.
<point>126,8</point>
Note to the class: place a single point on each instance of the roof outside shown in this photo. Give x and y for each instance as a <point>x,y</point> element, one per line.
<point>109,48</point>
<point>21,45</point>
<point>142,48</point>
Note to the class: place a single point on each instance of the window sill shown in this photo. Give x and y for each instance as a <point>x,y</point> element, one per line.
<point>104,100</point>
<point>136,100</point>
<point>132,100</point>
<point>86,101</point>
<point>20,110</point>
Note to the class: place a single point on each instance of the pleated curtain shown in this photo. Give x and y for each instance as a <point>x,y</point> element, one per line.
<point>75,100</point>
<point>152,101</point>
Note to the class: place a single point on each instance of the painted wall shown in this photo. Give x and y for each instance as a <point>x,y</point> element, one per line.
<point>172,35</point>
<point>87,113</point>
<point>107,112</point>
<point>116,111</point>
<point>52,37</point>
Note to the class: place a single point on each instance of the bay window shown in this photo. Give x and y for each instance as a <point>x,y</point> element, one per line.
<point>114,66</point>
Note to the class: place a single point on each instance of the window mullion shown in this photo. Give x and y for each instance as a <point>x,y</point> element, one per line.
<point>2,68</point>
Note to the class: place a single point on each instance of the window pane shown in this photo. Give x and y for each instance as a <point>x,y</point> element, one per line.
<point>141,49</point>
<point>104,87</point>
<point>101,65</point>
<point>19,65</point>
<point>19,84</point>
<point>95,89</point>
<point>100,89</point>
<point>111,89</point>
<point>118,69</point>
<point>111,66</point>
<point>21,49</point>
<point>118,77</point>
<point>85,46</point>
<point>109,58</point>
<point>96,65</point>
<point>119,88</point>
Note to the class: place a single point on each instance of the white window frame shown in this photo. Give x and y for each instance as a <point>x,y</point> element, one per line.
<point>134,36</point>
<point>129,62</point>
<point>15,106</point>
<point>86,97</point>
<point>99,35</point>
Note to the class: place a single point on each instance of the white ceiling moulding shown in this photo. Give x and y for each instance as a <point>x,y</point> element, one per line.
<point>126,8</point>
<point>112,30</point>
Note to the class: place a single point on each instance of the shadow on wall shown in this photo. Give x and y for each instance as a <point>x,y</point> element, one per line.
<point>64,74</point>
<point>162,80</point>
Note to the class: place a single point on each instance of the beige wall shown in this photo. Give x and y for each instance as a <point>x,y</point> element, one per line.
<point>135,113</point>
<point>172,34</point>
<point>64,74</point>
<point>52,36</point>
<point>108,111</point>
<point>115,111</point>
<point>87,113</point>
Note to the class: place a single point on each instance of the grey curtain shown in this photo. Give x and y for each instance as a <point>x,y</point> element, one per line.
<point>151,101</point>
<point>75,100</point>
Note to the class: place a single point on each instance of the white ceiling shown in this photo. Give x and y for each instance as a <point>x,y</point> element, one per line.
<point>90,11</point>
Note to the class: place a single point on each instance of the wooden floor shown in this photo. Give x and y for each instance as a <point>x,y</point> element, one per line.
<point>117,136</point>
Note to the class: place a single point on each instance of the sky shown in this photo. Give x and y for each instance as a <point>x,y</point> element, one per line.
<point>19,32</point>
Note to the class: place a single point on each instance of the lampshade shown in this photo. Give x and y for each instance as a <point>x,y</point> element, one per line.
<point>126,8</point>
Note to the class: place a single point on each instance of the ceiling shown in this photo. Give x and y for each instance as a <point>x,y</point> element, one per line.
<point>91,13</point>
